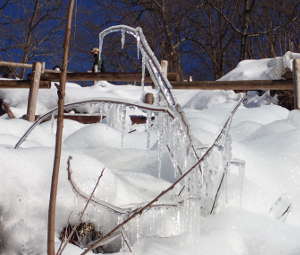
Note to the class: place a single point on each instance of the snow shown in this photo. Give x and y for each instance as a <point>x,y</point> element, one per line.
<point>262,69</point>
<point>248,219</point>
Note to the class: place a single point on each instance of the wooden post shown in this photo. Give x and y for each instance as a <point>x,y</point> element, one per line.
<point>164,67</point>
<point>33,92</point>
<point>59,133</point>
<point>149,98</point>
<point>296,75</point>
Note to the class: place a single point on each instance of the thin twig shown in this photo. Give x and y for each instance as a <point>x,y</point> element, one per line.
<point>217,193</point>
<point>65,233</point>
<point>126,240</point>
<point>162,193</point>
<point>173,158</point>
<point>257,34</point>
<point>59,252</point>
<point>287,210</point>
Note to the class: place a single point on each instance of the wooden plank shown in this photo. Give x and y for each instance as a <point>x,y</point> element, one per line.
<point>33,92</point>
<point>236,85</point>
<point>107,76</point>
<point>24,65</point>
<point>22,84</point>
<point>14,64</point>
<point>90,119</point>
<point>296,76</point>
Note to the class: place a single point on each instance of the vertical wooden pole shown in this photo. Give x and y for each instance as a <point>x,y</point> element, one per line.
<point>296,76</point>
<point>33,92</point>
<point>59,133</point>
<point>164,68</point>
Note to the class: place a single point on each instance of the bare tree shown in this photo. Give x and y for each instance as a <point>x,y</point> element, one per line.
<point>34,31</point>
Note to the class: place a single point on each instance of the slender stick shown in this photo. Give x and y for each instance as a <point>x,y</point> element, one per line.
<point>59,132</point>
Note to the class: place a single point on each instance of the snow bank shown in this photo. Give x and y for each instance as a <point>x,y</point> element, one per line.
<point>265,137</point>
<point>258,134</point>
<point>262,69</point>
<point>232,232</point>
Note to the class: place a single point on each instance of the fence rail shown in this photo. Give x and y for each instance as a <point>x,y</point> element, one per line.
<point>236,85</point>
<point>22,84</point>
<point>105,76</point>
<point>41,78</point>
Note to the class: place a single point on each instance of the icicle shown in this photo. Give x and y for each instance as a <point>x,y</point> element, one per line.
<point>148,127</point>
<point>114,115</point>
<point>138,46</point>
<point>123,124</point>
<point>122,38</point>
<point>109,114</point>
<point>138,228</point>
<point>101,112</point>
<point>143,74</point>
<point>160,143</point>
<point>120,219</point>
<point>52,122</point>
<point>241,169</point>
<point>178,221</point>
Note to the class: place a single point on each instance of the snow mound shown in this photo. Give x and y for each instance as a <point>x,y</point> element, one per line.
<point>262,69</point>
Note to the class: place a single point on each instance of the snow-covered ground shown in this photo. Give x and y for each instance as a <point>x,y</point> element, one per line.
<point>266,137</point>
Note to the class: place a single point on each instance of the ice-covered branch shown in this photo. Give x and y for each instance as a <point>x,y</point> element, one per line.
<point>172,186</point>
<point>93,101</point>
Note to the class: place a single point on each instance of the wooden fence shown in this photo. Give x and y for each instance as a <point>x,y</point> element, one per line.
<point>42,78</point>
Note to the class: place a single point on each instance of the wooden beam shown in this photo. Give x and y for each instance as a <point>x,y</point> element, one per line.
<point>236,85</point>
<point>107,76</point>
<point>22,84</point>
<point>296,76</point>
<point>14,64</point>
<point>25,65</point>
<point>33,92</point>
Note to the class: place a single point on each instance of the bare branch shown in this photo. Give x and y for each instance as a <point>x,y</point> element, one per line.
<point>257,34</point>
<point>4,4</point>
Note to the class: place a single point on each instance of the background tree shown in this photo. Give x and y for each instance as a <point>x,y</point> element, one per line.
<point>32,30</point>
<point>202,38</point>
